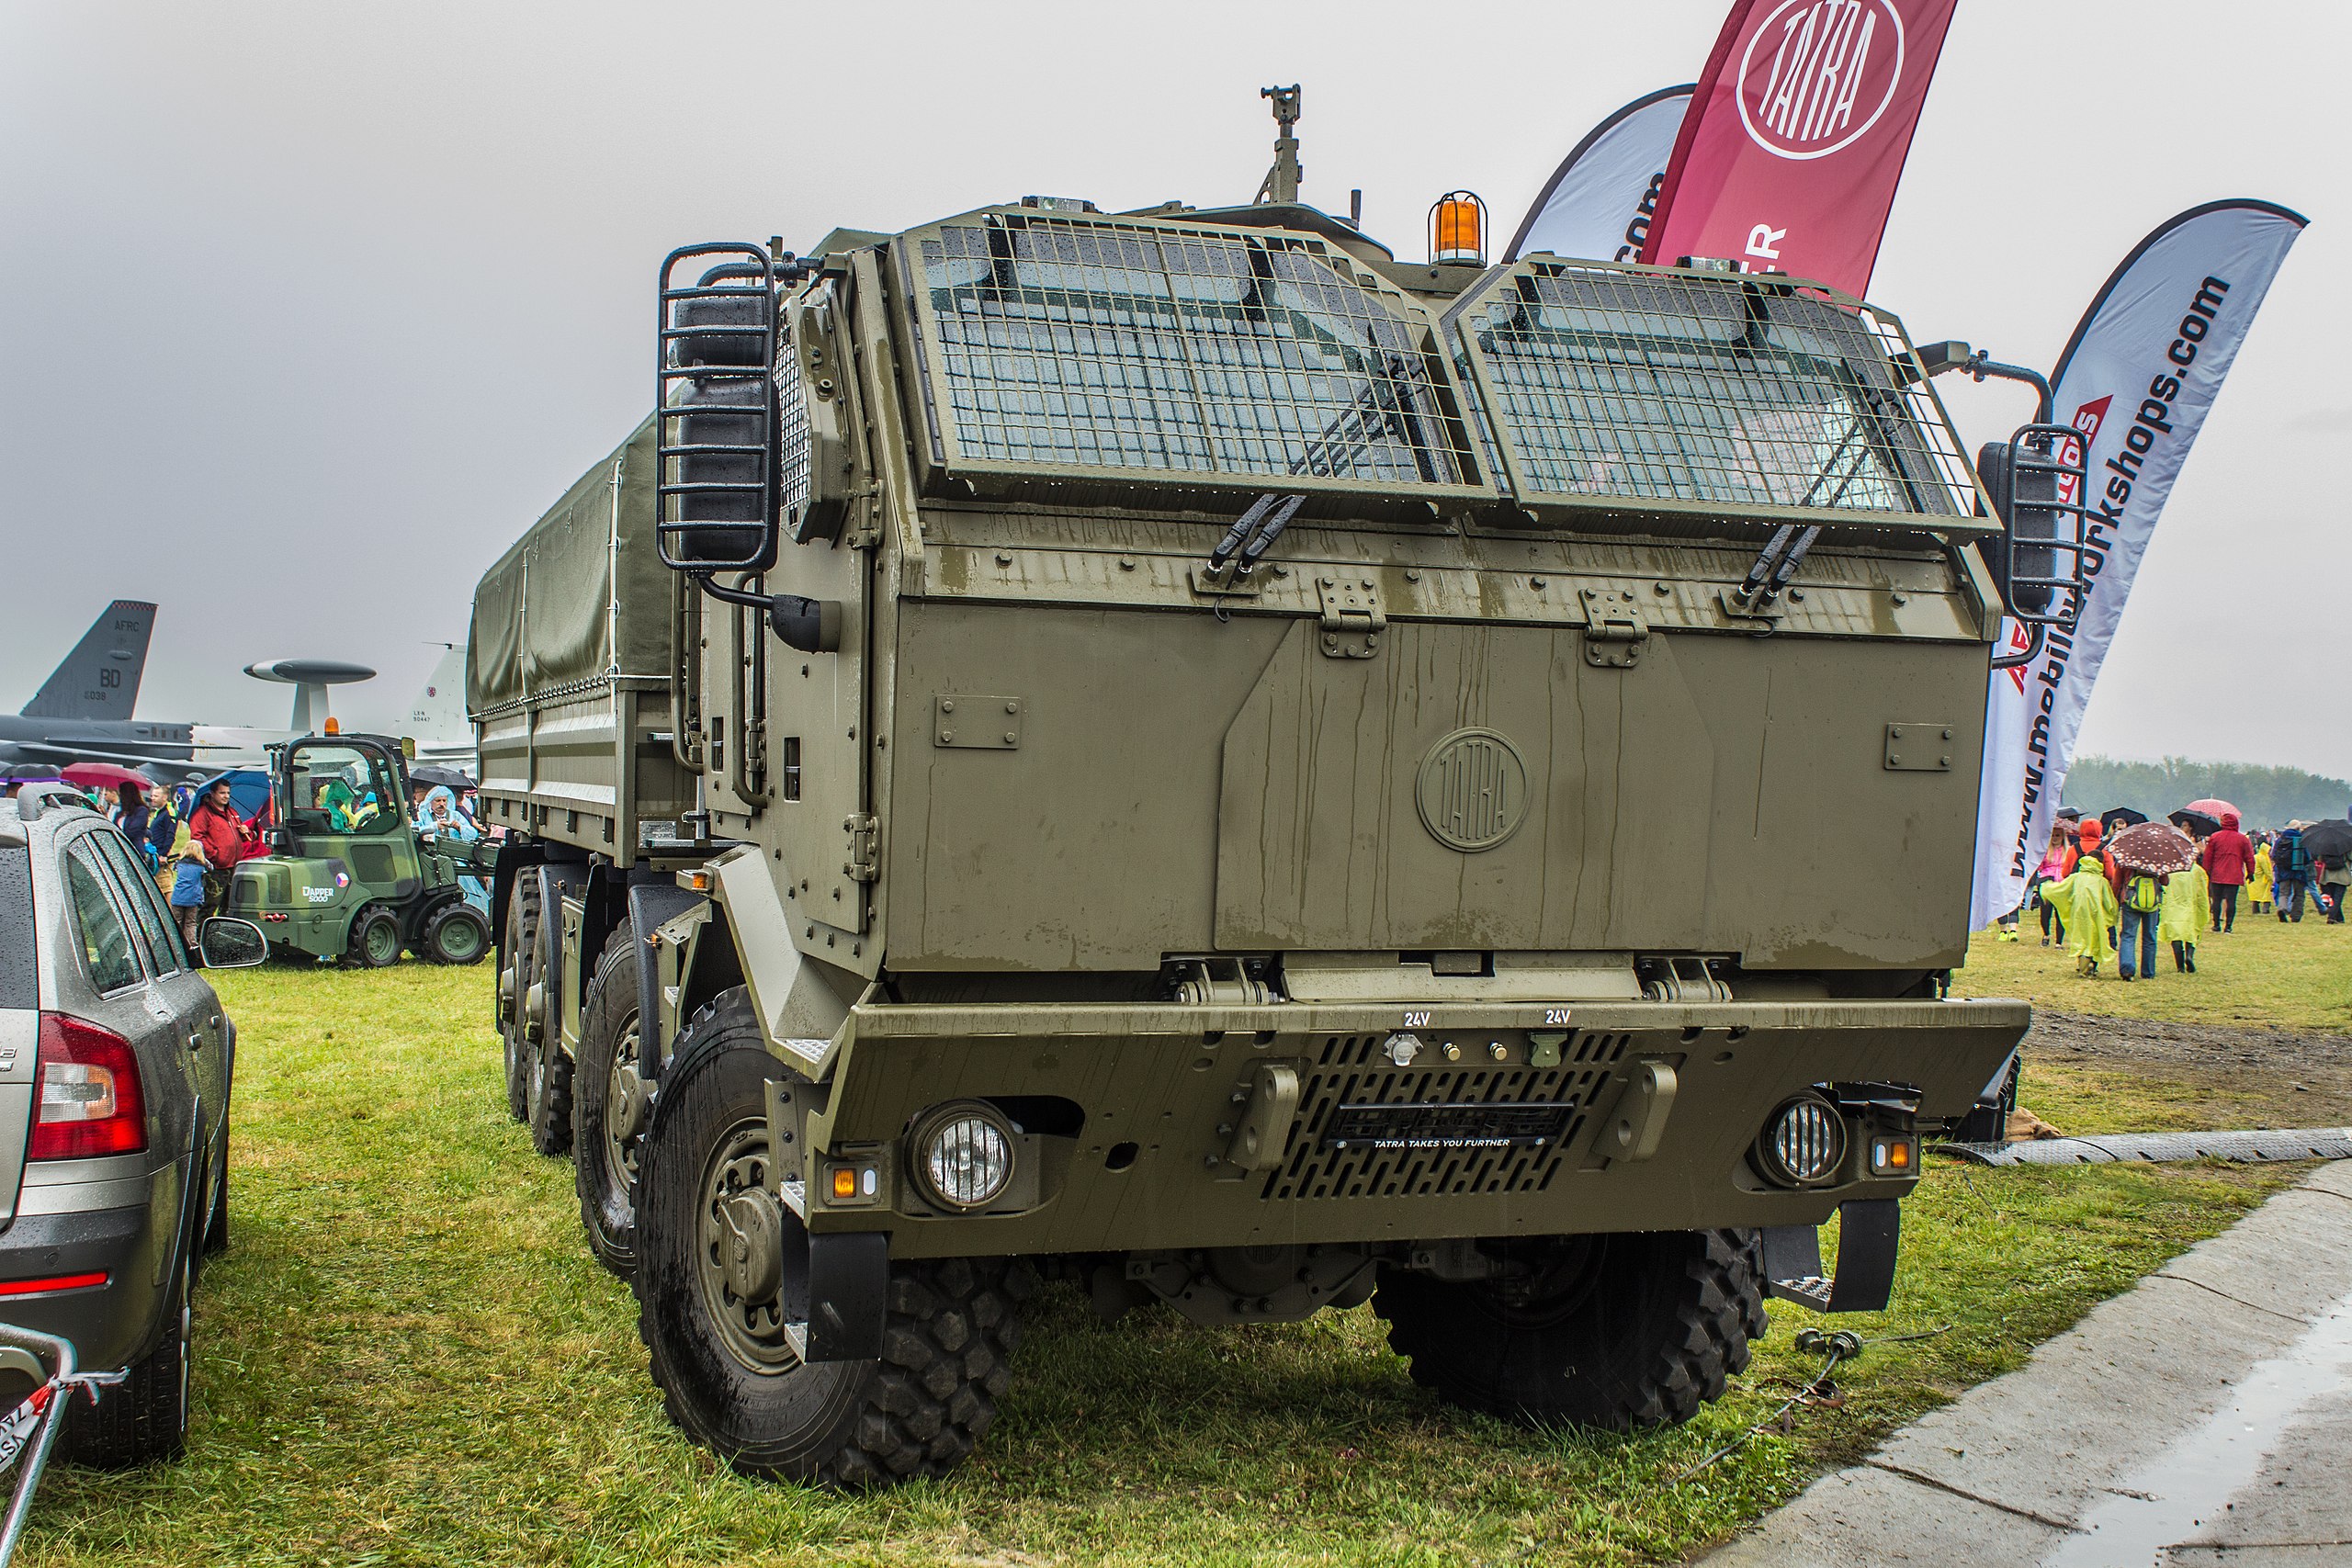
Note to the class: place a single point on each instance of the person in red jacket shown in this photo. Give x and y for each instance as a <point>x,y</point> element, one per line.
<point>226,838</point>
<point>2090,844</point>
<point>2228,860</point>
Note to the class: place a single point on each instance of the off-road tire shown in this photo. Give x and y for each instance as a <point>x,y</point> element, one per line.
<point>546,1066</point>
<point>607,1197</point>
<point>1648,1330</point>
<point>523,934</point>
<point>445,925</point>
<point>145,1418</point>
<point>374,940</point>
<point>952,1328</point>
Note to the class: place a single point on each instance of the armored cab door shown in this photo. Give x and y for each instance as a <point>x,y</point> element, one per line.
<point>788,745</point>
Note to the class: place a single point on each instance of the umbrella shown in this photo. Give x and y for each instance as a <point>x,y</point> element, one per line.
<point>2190,821</point>
<point>28,772</point>
<point>2216,809</point>
<point>430,775</point>
<point>2116,817</point>
<point>2153,847</point>
<point>105,775</point>
<point>248,790</point>
<point>2328,839</point>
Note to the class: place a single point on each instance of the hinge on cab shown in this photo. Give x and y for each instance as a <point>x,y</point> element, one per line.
<point>1352,617</point>
<point>862,830</point>
<point>1613,629</point>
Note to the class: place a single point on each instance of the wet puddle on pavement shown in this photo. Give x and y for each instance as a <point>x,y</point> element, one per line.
<point>2171,1499</point>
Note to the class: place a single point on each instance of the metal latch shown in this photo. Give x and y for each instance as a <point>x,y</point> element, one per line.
<point>1614,629</point>
<point>863,829</point>
<point>1352,617</point>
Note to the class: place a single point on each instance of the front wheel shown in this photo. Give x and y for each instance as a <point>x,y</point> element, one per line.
<point>720,1352</point>
<point>1624,1332</point>
<point>374,940</point>
<point>458,933</point>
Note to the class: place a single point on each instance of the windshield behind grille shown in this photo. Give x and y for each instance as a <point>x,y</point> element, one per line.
<point>1097,345</point>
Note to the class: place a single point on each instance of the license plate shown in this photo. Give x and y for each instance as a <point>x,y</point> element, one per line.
<point>1446,1126</point>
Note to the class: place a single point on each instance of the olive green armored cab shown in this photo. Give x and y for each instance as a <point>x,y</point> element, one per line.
<point>1176,753</point>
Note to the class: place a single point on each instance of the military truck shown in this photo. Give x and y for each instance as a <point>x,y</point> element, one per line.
<point>1179,753</point>
<point>348,876</point>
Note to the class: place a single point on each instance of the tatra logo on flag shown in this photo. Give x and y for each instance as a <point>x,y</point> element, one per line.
<point>1819,73</point>
<point>1795,143</point>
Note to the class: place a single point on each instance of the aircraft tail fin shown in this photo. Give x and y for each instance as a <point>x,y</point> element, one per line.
<point>100,678</point>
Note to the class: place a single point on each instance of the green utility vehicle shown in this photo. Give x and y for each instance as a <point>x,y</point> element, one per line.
<point>348,876</point>
<point>1177,753</point>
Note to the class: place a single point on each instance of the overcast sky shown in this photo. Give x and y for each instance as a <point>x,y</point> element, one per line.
<point>311,308</point>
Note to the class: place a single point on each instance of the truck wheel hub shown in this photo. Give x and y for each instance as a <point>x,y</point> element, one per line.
<point>628,1102</point>
<point>742,1252</point>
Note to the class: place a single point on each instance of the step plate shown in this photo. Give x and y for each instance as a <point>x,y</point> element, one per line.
<point>2163,1148</point>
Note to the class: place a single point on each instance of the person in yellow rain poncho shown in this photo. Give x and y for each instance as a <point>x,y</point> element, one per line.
<point>2257,884</point>
<point>2187,894</point>
<point>2085,902</point>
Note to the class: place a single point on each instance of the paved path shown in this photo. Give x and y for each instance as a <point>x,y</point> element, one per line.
<point>2204,1418</point>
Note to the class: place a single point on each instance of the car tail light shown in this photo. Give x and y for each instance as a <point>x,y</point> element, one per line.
<point>90,1100</point>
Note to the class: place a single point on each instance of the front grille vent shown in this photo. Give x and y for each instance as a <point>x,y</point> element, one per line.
<point>1313,1169</point>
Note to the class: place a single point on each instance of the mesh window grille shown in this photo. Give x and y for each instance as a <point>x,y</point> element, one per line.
<point>1115,345</point>
<point>1705,389</point>
<point>791,431</point>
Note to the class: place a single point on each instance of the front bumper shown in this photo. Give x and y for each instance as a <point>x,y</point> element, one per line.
<point>1158,1091</point>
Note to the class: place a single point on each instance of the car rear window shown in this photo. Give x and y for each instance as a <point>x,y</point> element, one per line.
<point>18,986</point>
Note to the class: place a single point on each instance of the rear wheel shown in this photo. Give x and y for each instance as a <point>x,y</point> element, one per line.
<point>145,1418</point>
<point>546,1065</point>
<point>375,940</point>
<point>514,980</point>
<point>1624,1332</point>
<point>458,933</point>
<point>729,1375</point>
<point>612,1102</point>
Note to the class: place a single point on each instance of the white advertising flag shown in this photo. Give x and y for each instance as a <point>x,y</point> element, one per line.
<point>2144,366</point>
<point>1598,202</point>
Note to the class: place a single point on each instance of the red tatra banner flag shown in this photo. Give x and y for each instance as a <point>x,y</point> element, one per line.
<point>1789,157</point>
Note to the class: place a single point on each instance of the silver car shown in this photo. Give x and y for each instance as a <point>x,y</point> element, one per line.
<point>116,1061</point>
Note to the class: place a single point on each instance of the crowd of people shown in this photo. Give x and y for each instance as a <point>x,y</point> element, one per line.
<point>192,840</point>
<point>2101,909</point>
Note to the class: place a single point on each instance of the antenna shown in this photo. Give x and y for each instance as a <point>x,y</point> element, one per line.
<point>1282,181</point>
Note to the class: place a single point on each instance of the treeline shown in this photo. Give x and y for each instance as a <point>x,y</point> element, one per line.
<point>2270,797</point>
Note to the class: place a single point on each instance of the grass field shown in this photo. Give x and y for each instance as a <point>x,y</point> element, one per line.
<point>2262,974</point>
<point>408,1356</point>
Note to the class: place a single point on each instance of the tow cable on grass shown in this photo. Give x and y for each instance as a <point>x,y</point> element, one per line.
<point>1835,1347</point>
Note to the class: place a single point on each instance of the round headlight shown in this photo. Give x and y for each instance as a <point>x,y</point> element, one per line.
<point>964,1154</point>
<point>1803,1143</point>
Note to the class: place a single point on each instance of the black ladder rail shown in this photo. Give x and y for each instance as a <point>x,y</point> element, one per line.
<point>715,415</point>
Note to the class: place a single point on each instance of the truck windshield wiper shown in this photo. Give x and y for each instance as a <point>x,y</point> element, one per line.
<point>1254,532</point>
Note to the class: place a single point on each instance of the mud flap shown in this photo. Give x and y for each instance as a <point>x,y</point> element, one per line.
<point>650,905</point>
<point>1869,1233</point>
<point>848,1288</point>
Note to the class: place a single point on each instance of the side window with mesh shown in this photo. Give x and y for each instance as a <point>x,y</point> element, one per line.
<point>106,941</point>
